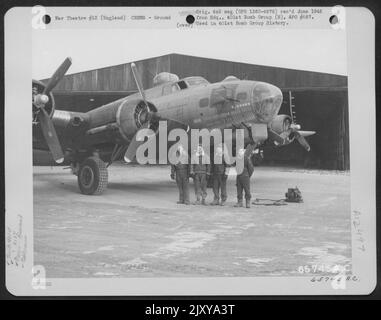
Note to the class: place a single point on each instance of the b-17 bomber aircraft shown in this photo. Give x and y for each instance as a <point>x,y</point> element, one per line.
<point>91,141</point>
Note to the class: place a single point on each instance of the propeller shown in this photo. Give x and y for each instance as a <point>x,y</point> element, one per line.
<point>46,123</point>
<point>152,116</point>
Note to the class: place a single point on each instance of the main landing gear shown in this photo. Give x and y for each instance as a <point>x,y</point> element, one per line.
<point>92,175</point>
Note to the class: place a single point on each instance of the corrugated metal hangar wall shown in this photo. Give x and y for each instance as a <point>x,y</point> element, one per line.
<point>320,99</point>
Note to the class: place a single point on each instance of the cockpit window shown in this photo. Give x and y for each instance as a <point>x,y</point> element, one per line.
<point>196,81</point>
<point>182,85</point>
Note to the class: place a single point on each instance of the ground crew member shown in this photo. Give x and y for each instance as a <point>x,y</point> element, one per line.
<point>243,180</point>
<point>219,176</point>
<point>180,173</point>
<point>199,171</point>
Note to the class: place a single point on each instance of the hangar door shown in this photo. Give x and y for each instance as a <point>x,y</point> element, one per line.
<point>323,111</point>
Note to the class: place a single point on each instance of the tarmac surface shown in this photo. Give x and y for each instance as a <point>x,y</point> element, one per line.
<point>136,229</point>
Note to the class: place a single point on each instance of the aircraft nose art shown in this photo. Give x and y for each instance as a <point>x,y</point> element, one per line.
<point>267,100</point>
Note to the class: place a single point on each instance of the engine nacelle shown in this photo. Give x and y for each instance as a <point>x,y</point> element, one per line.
<point>281,124</point>
<point>132,116</point>
<point>37,88</point>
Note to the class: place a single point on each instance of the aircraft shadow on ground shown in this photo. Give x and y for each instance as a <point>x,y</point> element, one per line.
<point>148,186</point>
<point>72,185</point>
<point>49,174</point>
<point>122,186</point>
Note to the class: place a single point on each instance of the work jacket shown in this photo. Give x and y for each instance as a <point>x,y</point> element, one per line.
<point>219,168</point>
<point>181,170</point>
<point>248,167</point>
<point>200,167</point>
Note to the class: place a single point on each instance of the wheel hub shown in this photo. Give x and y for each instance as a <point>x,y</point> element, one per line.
<point>87,176</point>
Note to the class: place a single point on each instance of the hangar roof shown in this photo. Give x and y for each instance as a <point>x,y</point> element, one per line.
<point>119,78</point>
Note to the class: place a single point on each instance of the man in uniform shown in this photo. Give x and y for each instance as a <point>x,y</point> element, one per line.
<point>180,172</point>
<point>199,171</point>
<point>243,179</point>
<point>219,177</point>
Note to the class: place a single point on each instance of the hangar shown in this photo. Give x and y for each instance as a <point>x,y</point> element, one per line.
<point>318,100</point>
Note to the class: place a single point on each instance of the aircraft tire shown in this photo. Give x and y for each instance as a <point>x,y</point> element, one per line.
<point>92,176</point>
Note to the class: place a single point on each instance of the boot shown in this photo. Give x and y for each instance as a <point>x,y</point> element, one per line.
<point>239,204</point>
<point>215,202</point>
<point>222,203</point>
<point>248,203</point>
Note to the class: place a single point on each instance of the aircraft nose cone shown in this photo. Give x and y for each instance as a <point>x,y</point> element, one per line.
<point>263,91</point>
<point>267,100</point>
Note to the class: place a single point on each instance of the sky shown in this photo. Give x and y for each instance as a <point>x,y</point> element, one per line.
<point>314,50</point>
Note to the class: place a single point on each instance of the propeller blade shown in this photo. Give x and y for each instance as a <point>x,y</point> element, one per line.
<point>57,76</point>
<point>306,133</point>
<point>131,150</point>
<point>50,136</point>
<point>302,141</point>
<point>138,83</point>
<point>134,145</point>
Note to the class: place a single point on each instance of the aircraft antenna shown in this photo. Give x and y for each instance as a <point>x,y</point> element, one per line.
<point>292,107</point>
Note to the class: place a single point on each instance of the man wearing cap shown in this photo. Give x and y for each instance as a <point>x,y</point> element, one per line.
<point>243,179</point>
<point>219,176</point>
<point>180,173</point>
<point>200,169</point>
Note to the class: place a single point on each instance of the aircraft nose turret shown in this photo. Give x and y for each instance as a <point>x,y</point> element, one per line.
<point>264,91</point>
<point>267,100</point>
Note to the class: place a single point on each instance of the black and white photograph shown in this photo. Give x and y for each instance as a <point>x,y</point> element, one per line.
<point>208,151</point>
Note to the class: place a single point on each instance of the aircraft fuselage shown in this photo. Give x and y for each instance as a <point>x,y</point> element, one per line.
<point>218,105</point>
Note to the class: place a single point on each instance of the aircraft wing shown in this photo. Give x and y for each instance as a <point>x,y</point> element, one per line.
<point>134,144</point>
